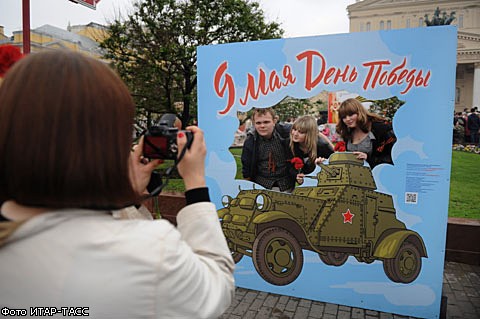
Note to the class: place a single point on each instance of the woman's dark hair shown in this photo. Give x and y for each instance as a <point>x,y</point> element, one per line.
<point>364,119</point>
<point>65,133</point>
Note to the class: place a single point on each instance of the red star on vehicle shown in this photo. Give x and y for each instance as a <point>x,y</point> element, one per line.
<point>347,217</point>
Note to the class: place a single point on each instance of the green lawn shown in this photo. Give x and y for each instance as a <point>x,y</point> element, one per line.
<point>237,153</point>
<point>464,184</point>
<point>174,184</point>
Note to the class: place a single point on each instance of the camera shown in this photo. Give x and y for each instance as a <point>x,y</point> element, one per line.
<point>160,140</point>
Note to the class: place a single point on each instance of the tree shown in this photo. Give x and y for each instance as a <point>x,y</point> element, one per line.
<point>386,108</point>
<point>154,48</point>
<point>437,20</point>
<point>291,108</point>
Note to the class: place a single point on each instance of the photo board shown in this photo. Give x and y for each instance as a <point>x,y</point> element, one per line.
<point>350,235</point>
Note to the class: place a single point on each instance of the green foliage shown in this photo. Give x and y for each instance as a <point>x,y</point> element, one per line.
<point>155,48</point>
<point>174,185</point>
<point>464,185</point>
<point>290,108</point>
<point>293,108</point>
<point>386,108</point>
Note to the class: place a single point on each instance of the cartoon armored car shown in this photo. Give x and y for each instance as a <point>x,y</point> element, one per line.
<point>342,216</point>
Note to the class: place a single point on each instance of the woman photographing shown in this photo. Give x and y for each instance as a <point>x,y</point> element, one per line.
<point>66,166</point>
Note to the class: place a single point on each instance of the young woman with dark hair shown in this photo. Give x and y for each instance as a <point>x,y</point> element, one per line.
<point>66,165</point>
<point>366,134</point>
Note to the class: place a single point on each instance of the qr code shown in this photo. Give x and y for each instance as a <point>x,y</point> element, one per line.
<point>411,198</point>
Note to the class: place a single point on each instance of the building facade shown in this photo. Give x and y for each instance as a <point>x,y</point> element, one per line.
<point>81,38</point>
<point>372,15</point>
<point>3,37</point>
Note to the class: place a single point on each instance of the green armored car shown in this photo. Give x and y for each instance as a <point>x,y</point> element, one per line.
<point>340,217</point>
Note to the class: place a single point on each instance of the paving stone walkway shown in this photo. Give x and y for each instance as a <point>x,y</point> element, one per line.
<point>461,286</point>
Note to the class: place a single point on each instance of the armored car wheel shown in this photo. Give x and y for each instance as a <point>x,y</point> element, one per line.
<point>277,256</point>
<point>333,258</point>
<point>405,266</point>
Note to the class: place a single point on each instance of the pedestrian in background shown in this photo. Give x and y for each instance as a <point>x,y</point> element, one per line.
<point>473,125</point>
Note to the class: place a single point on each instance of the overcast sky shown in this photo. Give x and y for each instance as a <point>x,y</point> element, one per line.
<point>297,17</point>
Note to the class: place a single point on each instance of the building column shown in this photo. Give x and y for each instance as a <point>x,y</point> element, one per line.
<point>476,85</point>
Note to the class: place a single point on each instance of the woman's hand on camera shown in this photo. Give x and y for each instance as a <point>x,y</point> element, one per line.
<point>141,168</point>
<point>192,166</point>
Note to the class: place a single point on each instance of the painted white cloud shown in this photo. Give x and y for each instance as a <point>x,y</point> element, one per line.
<point>218,166</point>
<point>312,259</point>
<point>224,173</point>
<point>408,219</point>
<point>243,271</point>
<point>408,144</point>
<point>396,294</point>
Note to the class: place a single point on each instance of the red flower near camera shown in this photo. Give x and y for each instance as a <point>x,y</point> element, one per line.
<point>9,54</point>
<point>297,163</point>
<point>340,147</point>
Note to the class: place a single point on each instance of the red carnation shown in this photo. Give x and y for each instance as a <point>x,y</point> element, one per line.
<point>297,163</point>
<point>9,54</point>
<point>340,147</point>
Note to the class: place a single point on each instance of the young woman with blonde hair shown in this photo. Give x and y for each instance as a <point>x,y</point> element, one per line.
<point>308,144</point>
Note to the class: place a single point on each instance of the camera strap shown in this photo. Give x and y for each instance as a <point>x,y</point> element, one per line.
<point>157,183</point>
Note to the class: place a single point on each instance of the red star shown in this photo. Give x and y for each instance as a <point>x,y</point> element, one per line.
<point>347,217</point>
